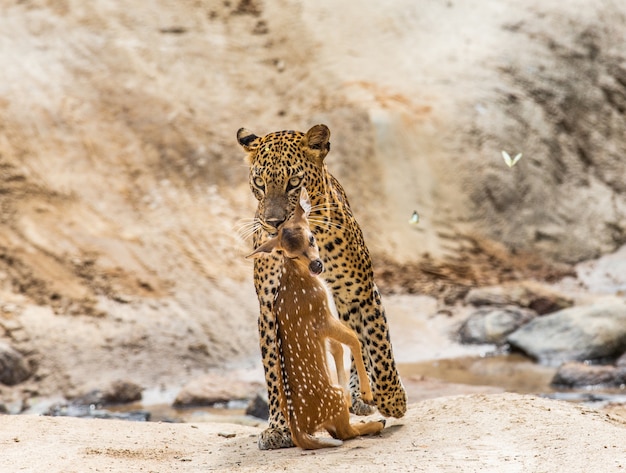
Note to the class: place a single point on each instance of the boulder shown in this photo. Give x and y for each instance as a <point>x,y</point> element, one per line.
<point>529,294</point>
<point>492,325</point>
<point>214,389</point>
<point>13,366</point>
<point>258,407</point>
<point>580,333</point>
<point>576,374</point>
<point>122,392</point>
<point>118,392</point>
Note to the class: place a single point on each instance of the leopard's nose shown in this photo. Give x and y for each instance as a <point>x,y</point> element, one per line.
<point>275,222</point>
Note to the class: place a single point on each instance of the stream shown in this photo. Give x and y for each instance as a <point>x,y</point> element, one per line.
<point>509,372</point>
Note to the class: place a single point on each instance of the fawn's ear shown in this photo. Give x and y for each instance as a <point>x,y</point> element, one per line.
<point>303,207</point>
<point>265,248</point>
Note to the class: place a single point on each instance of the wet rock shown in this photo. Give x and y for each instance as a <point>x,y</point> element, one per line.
<point>621,361</point>
<point>13,366</point>
<point>214,389</point>
<point>41,406</point>
<point>92,411</point>
<point>258,407</point>
<point>13,404</point>
<point>580,333</point>
<point>91,398</point>
<point>528,294</point>
<point>492,325</point>
<point>576,375</point>
<point>119,392</point>
<point>91,403</point>
<point>122,392</point>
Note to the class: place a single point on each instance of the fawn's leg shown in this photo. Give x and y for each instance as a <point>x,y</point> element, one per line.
<point>336,350</point>
<point>368,428</point>
<point>341,428</point>
<point>338,331</point>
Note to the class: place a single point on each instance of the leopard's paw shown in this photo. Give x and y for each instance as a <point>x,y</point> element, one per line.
<point>273,438</point>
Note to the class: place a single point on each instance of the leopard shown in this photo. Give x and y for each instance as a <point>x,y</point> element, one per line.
<point>280,164</point>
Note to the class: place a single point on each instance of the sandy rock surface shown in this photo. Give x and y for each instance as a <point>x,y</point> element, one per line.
<point>491,433</point>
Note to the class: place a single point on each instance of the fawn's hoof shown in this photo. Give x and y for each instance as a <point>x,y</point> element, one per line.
<point>360,408</point>
<point>272,438</point>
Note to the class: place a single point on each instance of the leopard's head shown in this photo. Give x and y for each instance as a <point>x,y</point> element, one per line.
<point>280,164</point>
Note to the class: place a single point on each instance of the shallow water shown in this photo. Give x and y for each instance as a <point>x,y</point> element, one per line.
<point>158,402</point>
<point>513,373</point>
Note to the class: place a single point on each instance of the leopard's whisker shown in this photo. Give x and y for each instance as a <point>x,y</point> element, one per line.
<point>324,204</point>
<point>245,228</point>
<point>239,225</point>
<point>244,225</point>
<point>248,234</point>
<point>322,207</point>
<point>320,223</point>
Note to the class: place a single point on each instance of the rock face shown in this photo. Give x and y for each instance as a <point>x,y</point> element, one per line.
<point>492,325</point>
<point>579,333</point>
<point>530,294</point>
<point>13,367</point>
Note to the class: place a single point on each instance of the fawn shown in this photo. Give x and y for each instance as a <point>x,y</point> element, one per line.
<point>304,322</point>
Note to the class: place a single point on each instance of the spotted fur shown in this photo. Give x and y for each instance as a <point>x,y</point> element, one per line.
<point>280,164</point>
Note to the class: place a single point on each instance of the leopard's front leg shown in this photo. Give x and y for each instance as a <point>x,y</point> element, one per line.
<point>389,393</point>
<point>366,316</point>
<point>277,435</point>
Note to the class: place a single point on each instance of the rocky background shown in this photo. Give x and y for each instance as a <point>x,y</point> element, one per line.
<point>121,183</point>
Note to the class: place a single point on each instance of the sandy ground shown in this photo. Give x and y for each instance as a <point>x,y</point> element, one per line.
<point>490,433</point>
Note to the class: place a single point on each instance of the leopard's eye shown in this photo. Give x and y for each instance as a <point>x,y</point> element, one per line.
<point>259,182</point>
<point>293,183</point>
<point>312,240</point>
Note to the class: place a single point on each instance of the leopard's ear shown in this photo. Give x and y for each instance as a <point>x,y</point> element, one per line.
<point>247,139</point>
<point>249,142</point>
<point>316,143</point>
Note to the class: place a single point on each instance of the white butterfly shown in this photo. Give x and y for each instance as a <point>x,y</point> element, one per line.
<point>415,218</point>
<point>510,162</point>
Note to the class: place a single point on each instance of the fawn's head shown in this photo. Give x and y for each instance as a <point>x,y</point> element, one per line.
<point>295,239</point>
